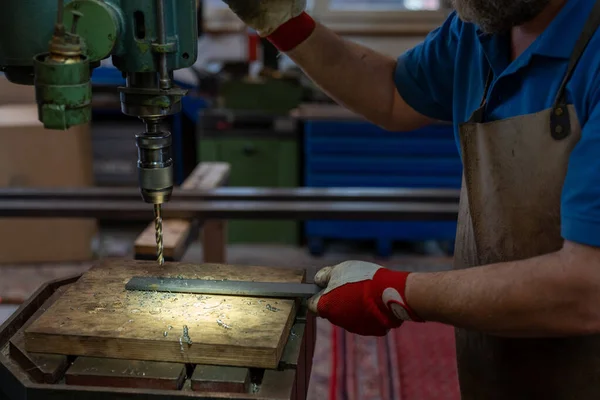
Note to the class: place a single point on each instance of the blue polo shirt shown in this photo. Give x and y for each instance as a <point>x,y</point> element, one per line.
<point>444,78</point>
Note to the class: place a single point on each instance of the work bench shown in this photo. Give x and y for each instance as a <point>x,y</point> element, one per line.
<point>105,340</point>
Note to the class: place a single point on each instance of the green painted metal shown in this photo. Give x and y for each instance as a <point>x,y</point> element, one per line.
<point>26,27</point>
<point>63,93</point>
<point>136,52</point>
<point>125,29</point>
<point>99,26</point>
<point>274,95</point>
<point>257,162</point>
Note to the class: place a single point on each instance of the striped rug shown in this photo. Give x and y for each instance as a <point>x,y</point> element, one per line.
<point>415,362</point>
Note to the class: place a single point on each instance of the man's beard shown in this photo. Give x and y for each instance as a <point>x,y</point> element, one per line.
<point>498,16</point>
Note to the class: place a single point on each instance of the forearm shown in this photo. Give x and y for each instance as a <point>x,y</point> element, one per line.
<point>552,295</point>
<point>356,77</point>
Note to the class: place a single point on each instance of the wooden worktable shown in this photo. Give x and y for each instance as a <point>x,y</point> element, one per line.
<point>97,317</point>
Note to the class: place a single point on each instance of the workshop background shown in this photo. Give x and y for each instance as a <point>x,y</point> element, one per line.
<point>251,119</point>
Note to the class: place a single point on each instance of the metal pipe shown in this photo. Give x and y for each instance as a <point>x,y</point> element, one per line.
<point>134,209</point>
<point>164,80</point>
<point>303,194</point>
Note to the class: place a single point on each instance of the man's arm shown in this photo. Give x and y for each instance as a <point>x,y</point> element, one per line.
<point>358,78</point>
<point>552,295</point>
<point>556,294</point>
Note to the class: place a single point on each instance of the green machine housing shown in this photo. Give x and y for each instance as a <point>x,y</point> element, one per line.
<point>55,45</point>
<point>127,30</point>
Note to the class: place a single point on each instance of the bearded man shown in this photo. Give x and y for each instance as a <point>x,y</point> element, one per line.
<point>520,81</point>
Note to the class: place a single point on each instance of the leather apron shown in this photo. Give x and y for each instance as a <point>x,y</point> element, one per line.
<point>514,170</point>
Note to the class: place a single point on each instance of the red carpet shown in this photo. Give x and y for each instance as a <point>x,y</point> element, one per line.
<point>415,362</point>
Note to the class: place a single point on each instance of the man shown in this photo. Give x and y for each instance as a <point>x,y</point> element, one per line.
<point>520,80</point>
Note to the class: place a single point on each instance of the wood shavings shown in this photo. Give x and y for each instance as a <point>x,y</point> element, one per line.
<point>186,335</point>
<point>271,308</point>
<point>223,324</point>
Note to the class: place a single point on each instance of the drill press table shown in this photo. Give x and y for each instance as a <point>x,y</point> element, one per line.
<point>110,343</point>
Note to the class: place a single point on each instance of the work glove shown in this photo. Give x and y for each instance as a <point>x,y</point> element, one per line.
<point>284,22</point>
<point>363,298</point>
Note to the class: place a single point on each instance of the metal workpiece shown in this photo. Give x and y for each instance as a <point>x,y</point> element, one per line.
<point>223,287</point>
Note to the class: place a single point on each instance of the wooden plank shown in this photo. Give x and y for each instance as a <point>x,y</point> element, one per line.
<point>178,233</point>
<point>175,237</point>
<point>43,368</point>
<point>93,371</point>
<point>214,241</point>
<point>210,378</point>
<point>98,317</point>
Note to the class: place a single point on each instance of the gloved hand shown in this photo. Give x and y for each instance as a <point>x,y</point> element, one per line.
<point>363,298</point>
<point>284,22</point>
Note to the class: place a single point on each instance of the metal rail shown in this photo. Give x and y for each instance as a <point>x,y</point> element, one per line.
<point>137,210</point>
<point>240,193</point>
<point>232,203</point>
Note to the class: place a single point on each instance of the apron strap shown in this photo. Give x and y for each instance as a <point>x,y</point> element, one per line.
<point>560,122</point>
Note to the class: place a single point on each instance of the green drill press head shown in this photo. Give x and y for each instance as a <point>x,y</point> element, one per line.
<point>60,41</point>
<point>55,44</point>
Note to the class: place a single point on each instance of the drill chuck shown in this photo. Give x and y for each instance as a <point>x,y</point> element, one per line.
<point>155,166</point>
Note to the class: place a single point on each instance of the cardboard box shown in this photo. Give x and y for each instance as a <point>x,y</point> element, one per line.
<point>31,156</point>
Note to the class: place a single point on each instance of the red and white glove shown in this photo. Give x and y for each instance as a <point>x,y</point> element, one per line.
<point>284,23</point>
<point>363,298</point>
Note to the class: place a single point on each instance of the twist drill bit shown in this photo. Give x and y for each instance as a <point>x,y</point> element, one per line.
<point>159,235</point>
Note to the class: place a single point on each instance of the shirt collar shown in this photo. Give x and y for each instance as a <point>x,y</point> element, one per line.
<point>557,40</point>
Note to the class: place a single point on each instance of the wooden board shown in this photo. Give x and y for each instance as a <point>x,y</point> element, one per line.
<point>107,372</point>
<point>177,232</point>
<point>97,317</point>
<point>42,368</point>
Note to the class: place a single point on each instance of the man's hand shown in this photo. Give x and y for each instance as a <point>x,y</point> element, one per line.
<point>265,16</point>
<point>362,298</point>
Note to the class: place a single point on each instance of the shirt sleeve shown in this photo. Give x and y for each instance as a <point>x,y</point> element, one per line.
<point>580,208</point>
<point>424,74</point>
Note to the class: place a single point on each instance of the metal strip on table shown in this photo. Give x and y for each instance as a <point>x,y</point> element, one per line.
<point>228,288</point>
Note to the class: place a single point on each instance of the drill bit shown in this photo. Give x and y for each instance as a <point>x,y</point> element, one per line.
<point>160,257</point>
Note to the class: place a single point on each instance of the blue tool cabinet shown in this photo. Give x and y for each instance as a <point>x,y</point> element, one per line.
<point>359,154</point>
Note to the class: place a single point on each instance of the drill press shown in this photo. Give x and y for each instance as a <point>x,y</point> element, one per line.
<point>55,45</point>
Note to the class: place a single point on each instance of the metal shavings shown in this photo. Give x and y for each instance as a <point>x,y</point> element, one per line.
<point>223,324</point>
<point>181,344</point>
<point>186,335</point>
<point>254,388</point>
<point>271,308</point>
<point>165,333</point>
<point>169,327</point>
